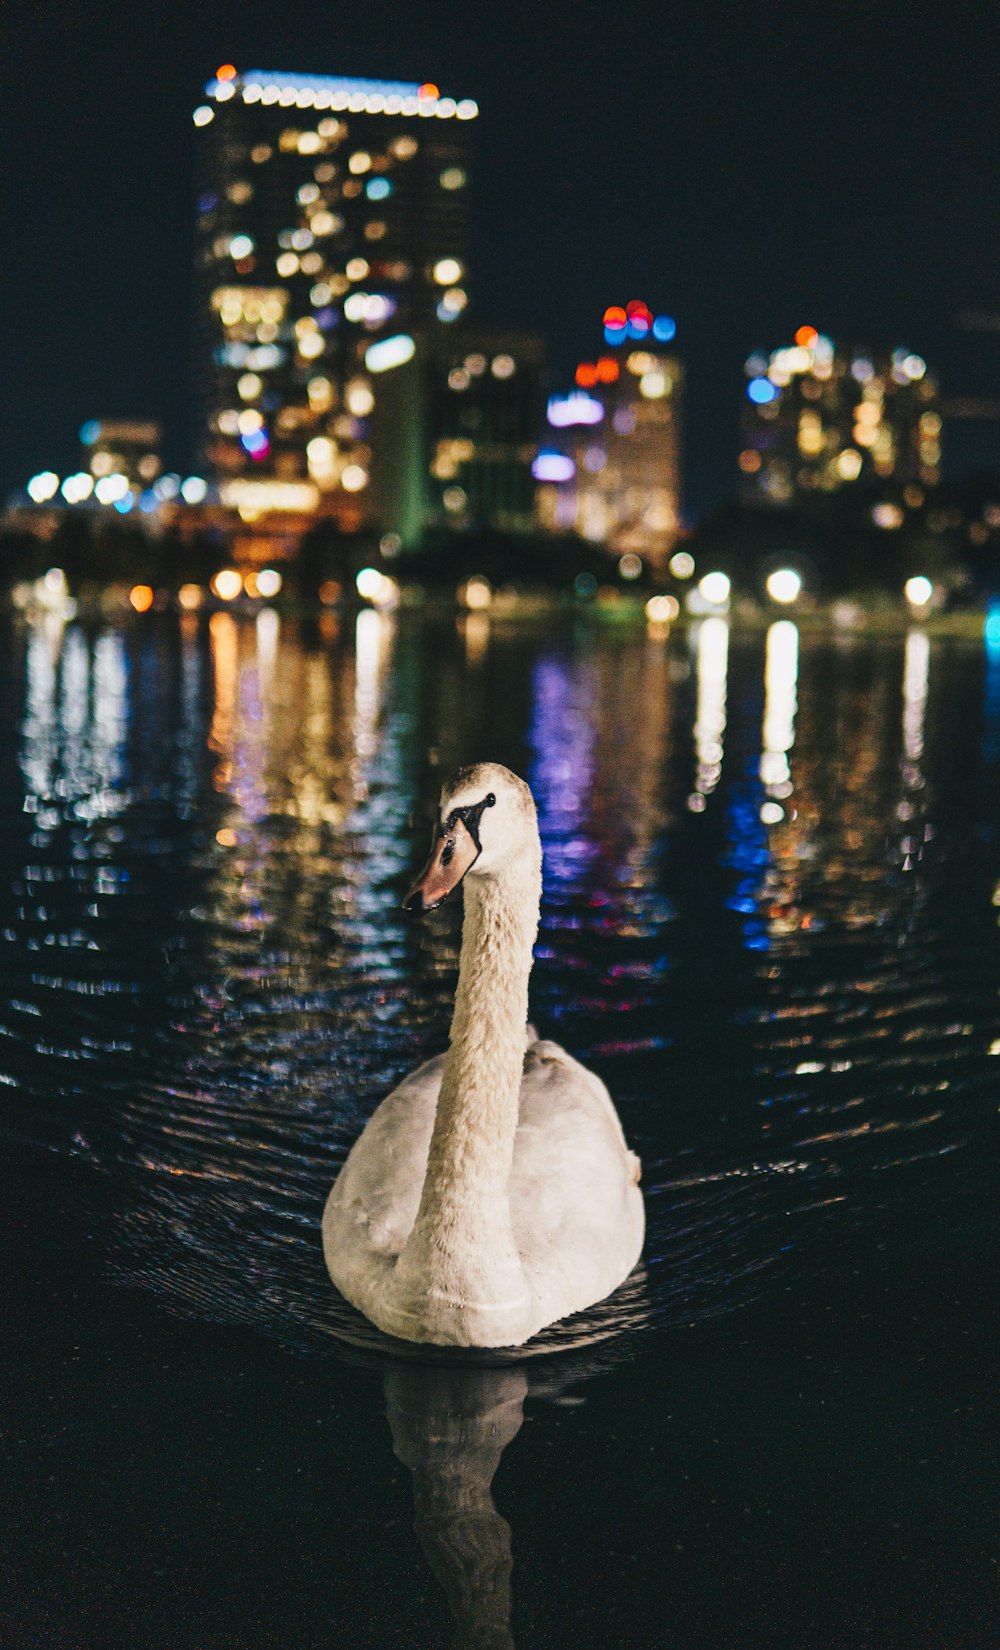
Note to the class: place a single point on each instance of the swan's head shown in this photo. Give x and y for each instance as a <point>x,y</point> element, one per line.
<point>486,826</point>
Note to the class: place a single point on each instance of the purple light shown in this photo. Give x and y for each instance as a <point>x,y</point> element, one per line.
<point>576,408</point>
<point>256,444</point>
<point>549,466</point>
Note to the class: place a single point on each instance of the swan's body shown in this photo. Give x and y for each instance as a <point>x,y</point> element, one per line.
<point>492,1192</point>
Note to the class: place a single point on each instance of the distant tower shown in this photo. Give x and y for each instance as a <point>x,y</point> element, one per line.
<point>331,217</point>
<point>821,418</point>
<point>610,467</point>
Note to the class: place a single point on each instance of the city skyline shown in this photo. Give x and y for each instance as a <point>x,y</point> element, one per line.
<point>748,197</point>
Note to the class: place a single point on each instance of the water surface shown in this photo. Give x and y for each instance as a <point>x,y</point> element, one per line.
<point>769,923</point>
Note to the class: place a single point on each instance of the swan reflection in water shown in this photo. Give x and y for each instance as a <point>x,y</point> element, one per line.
<point>450,1426</point>
<point>451,1423</point>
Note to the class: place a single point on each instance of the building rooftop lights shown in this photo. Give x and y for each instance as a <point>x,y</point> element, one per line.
<point>390,97</point>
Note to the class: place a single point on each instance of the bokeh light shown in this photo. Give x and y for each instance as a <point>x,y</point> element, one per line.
<point>715,588</point>
<point>662,609</point>
<point>227,584</point>
<point>784,585</point>
<point>918,591</point>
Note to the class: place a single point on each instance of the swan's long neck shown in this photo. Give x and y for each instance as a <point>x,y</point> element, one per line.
<point>462,1232</point>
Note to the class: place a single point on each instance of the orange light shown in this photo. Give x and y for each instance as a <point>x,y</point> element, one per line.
<point>428,89</point>
<point>607,370</point>
<point>141,597</point>
<point>190,597</point>
<point>806,337</point>
<point>615,316</point>
<point>250,584</point>
<point>226,838</point>
<point>227,72</point>
<point>586,375</point>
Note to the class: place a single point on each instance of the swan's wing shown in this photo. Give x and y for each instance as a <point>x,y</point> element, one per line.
<point>575,1203</point>
<point>376,1195</point>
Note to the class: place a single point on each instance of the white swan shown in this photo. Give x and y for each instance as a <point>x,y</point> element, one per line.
<point>492,1192</point>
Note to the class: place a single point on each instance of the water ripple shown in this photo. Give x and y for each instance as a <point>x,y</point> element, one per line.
<point>768,922</point>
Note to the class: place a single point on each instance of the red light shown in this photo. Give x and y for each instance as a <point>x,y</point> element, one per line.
<point>428,89</point>
<point>614,317</point>
<point>637,307</point>
<point>586,375</point>
<point>227,72</point>
<point>806,337</point>
<point>607,370</point>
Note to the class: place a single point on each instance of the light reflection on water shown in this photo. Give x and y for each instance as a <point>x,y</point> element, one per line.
<point>786,971</point>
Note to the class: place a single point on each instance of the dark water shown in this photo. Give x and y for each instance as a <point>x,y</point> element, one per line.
<point>770,923</point>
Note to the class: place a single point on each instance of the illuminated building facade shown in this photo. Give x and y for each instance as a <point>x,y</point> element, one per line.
<point>610,466</point>
<point>331,219</point>
<point>461,419</point>
<point>123,446</point>
<point>820,418</point>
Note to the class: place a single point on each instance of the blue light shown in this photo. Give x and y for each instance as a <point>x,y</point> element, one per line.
<point>761,390</point>
<point>993,629</point>
<point>378,188</point>
<point>637,327</point>
<point>664,328</point>
<point>329,83</point>
<point>124,505</point>
<point>90,432</point>
<point>615,335</point>
<point>148,501</point>
<point>255,441</point>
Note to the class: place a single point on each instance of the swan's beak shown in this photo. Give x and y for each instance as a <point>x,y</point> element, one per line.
<point>455,850</point>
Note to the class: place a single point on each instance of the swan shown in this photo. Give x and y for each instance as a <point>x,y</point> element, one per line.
<point>492,1193</point>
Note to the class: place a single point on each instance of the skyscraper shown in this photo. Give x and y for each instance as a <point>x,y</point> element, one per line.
<point>610,468</point>
<point>331,219</point>
<point>821,418</point>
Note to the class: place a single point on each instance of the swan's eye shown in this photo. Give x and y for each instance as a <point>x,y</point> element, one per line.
<point>448,852</point>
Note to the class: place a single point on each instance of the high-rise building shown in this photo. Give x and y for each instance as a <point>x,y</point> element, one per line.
<point>331,220</point>
<point>821,418</point>
<point>610,465</point>
<point>124,447</point>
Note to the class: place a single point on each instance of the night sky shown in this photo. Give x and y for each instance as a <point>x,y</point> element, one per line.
<point>746,168</point>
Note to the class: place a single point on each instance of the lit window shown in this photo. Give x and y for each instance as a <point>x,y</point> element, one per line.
<point>359,398</point>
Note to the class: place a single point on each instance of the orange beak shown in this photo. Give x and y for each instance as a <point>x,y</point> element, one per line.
<point>453,853</point>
